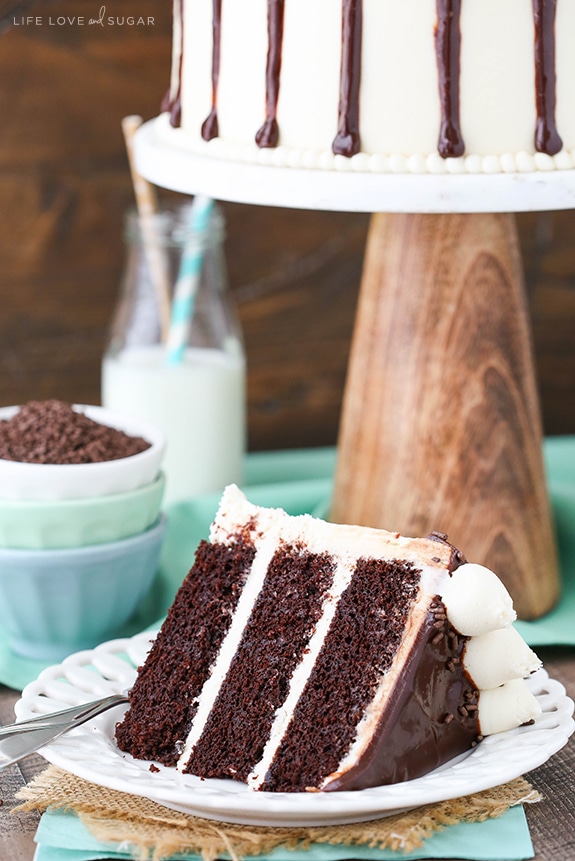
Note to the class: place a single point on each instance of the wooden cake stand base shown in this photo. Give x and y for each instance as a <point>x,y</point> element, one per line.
<point>441,424</point>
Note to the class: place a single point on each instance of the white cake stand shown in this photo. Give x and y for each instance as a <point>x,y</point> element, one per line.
<point>440,427</point>
<point>168,164</point>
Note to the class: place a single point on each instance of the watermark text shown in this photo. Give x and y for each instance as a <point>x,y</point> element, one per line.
<point>101,20</point>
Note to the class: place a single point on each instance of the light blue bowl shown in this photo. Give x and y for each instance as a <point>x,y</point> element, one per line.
<point>55,602</point>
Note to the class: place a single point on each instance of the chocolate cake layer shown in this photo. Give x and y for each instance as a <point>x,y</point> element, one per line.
<point>274,639</point>
<point>163,699</point>
<point>363,639</point>
<point>431,713</point>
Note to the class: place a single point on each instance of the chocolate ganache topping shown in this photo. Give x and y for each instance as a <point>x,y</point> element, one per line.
<point>268,135</point>
<point>415,723</point>
<point>448,53</point>
<point>172,102</point>
<point>547,138</point>
<point>210,126</point>
<point>347,140</point>
<point>457,557</point>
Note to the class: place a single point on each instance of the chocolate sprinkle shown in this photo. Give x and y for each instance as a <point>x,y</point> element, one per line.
<point>51,432</point>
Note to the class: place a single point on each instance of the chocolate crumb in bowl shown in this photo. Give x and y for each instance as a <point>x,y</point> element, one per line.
<point>51,432</point>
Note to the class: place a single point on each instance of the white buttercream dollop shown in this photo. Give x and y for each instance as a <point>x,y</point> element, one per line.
<point>506,707</point>
<point>498,657</point>
<point>477,601</point>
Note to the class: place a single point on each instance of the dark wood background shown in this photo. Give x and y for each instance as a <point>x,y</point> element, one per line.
<point>65,185</point>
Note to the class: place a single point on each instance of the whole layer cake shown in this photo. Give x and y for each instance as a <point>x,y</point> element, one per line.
<point>303,655</point>
<point>459,86</point>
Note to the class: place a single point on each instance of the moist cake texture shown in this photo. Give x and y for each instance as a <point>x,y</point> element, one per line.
<point>402,86</point>
<point>301,655</point>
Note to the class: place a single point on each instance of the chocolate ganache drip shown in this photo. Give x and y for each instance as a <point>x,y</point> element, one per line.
<point>347,140</point>
<point>457,557</point>
<point>210,125</point>
<point>172,101</point>
<point>268,134</point>
<point>448,54</point>
<point>547,138</point>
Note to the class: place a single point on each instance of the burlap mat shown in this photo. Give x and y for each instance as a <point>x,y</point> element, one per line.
<point>154,832</point>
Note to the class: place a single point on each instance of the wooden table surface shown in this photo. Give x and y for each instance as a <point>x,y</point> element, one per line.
<point>64,188</point>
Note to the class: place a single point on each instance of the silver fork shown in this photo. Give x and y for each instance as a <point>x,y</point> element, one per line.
<point>18,740</point>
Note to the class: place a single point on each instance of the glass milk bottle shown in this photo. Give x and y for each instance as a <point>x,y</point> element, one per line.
<point>175,355</point>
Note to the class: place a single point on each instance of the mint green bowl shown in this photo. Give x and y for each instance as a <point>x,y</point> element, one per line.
<point>67,523</point>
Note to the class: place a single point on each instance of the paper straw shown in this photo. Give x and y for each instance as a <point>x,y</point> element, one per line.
<point>188,280</point>
<point>147,206</point>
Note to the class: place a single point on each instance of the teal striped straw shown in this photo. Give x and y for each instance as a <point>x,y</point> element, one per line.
<point>186,286</point>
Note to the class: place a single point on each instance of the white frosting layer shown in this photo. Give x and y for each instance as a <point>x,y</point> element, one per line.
<point>342,578</point>
<point>340,540</point>
<point>399,93</point>
<point>266,549</point>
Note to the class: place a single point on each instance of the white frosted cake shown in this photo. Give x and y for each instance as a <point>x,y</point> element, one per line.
<point>301,655</point>
<point>416,86</point>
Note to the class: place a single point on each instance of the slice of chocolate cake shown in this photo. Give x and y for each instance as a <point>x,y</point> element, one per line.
<point>301,655</point>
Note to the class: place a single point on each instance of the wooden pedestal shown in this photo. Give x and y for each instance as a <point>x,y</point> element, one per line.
<point>441,425</point>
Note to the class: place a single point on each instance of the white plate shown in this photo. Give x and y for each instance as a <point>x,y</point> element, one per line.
<point>91,753</point>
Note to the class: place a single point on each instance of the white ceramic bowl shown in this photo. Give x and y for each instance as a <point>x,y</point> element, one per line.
<point>55,602</point>
<point>36,481</point>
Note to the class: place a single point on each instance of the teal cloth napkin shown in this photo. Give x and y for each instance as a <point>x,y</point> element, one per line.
<point>557,628</point>
<point>62,837</point>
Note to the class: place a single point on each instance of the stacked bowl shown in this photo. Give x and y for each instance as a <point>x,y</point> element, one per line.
<point>79,542</point>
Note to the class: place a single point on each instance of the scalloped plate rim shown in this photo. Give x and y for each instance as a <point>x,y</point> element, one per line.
<point>85,751</point>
